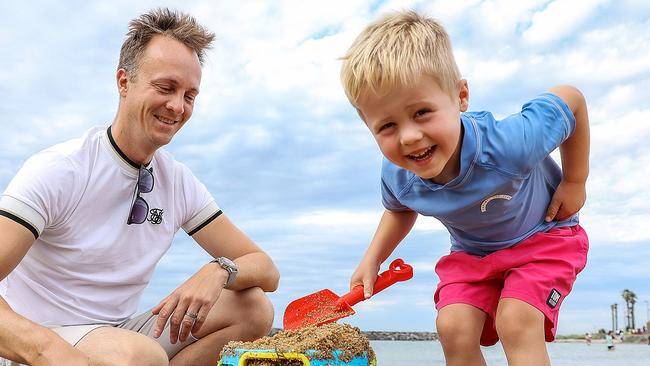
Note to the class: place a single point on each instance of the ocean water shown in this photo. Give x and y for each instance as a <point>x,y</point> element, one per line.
<point>421,353</point>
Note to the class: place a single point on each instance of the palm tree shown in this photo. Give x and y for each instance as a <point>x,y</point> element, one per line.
<point>630,300</point>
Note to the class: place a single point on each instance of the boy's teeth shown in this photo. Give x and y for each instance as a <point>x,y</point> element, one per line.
<point>423,155</point>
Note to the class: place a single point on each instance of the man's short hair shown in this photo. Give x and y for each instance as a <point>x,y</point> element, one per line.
<point>162,21</point>
<point>396,50</point>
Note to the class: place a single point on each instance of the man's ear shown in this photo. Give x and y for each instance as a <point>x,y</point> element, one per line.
<point>122,81</point>
<point>463,95</point>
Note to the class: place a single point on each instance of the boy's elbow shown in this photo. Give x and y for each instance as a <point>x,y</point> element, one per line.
<point>572,96</point>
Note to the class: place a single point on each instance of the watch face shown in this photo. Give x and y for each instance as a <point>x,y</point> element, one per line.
<point>227,262</point>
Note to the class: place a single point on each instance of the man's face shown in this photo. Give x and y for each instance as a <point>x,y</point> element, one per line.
<point>160,99</point>
<point>418,127</point>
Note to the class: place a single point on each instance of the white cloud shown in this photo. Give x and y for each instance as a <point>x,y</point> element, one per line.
<point>559,19</point>
<point>338,219</point>
<point>493,71</point>
<point>441,9</point>
<point>617,229</point>
<point>425,224</point>
<point>373,304</point>
<point>619,100</point>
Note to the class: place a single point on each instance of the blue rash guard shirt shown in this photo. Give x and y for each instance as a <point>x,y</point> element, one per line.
<point>506,180</point>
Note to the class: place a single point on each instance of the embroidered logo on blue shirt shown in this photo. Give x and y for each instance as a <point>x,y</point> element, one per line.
<point>495,197</point>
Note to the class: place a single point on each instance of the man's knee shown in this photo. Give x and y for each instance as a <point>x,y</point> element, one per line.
<point>247,313</point>
<point>256,312</point>
<point>144,352</point>
<point>117,347</point>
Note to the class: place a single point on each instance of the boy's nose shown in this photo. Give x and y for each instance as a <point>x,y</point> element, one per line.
<point>410,135</point>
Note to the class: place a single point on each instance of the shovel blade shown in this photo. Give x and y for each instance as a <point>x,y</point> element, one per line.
<point>315,309</point>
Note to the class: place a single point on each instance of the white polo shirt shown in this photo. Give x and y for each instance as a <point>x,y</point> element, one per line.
<point>87,265</point>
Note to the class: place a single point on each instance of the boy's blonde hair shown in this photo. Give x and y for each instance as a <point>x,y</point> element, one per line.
<point>395,51</point>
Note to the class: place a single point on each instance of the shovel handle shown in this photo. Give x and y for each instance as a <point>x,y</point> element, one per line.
<point>397,271</point>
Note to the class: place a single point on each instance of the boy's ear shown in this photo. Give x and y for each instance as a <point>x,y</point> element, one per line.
<point>463,95</point>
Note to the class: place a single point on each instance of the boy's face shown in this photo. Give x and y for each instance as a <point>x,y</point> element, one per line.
<point>418,127</point>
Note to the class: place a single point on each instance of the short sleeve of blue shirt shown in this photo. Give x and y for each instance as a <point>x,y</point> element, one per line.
<point>521,141</point>
<point>393,177</point>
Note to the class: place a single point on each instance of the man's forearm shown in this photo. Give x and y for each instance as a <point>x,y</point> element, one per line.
<point>22,340</point>
<point>256,270</point>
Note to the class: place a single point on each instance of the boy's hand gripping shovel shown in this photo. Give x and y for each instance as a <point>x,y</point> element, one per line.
<point>325,306</point>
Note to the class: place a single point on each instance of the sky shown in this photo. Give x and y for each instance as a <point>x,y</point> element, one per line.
<point>286,157</point>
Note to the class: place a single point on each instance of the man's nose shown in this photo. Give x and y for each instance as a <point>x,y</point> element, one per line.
<point>176,104</point>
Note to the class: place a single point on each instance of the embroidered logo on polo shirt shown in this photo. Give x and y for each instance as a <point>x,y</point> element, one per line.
<point>495,197</point>
<point>553,298</point>
<point>155,216</point>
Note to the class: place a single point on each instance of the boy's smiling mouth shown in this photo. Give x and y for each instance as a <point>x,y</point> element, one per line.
<point>423,155</point>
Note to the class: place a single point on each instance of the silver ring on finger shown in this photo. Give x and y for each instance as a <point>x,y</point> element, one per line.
<point>191,315</point>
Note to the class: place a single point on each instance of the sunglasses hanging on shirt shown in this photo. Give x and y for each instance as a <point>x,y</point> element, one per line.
<point>139,207</point>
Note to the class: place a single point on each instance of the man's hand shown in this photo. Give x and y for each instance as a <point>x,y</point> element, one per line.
<point>189,304</point>
<point>567,201</point>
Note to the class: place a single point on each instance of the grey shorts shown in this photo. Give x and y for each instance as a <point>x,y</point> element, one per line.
<point>143,324</point>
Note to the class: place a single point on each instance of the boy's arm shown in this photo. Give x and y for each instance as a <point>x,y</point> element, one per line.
<point>392,228</point>
<point>570,195</point>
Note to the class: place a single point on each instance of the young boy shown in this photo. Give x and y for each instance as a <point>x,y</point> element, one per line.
<point>516,246</point>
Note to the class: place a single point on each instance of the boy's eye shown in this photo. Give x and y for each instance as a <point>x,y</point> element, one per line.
<point>385,126</point>
<point>422,112</point>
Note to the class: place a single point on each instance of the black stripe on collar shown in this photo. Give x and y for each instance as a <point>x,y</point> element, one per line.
<point>120,152</point>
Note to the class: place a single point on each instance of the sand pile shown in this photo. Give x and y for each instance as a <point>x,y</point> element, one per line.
<point>324,339</point>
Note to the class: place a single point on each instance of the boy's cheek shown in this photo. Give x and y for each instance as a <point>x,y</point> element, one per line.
<point>361,115</point>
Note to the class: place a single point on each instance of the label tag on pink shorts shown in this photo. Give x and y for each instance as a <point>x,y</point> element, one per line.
<point>553,298</point>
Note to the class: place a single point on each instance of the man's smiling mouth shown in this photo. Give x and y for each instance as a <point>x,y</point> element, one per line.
<point>165,120</point>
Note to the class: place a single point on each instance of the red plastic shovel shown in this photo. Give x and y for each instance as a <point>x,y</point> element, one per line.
<point>325,306</point>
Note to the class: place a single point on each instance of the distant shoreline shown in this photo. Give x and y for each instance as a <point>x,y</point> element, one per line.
<point>400,336</point>
<point>433,336</point>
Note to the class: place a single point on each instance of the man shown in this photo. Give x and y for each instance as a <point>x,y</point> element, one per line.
<point>84,224</point>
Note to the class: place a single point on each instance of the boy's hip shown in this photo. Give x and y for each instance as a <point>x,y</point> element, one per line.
<point>564,247</point>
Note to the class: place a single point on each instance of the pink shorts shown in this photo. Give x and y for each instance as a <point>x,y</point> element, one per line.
<point>540,271</point>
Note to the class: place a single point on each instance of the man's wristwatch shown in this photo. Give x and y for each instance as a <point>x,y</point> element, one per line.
<point>229,266</point>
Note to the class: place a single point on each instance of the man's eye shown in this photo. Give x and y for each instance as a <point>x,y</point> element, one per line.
<point>190,98</point>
